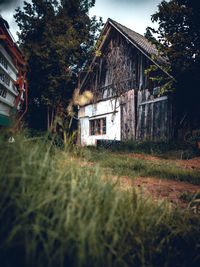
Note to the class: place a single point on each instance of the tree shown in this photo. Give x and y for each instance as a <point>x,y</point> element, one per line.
<point>149,36</point>
<point>179,35</point>
<point>57,37</point>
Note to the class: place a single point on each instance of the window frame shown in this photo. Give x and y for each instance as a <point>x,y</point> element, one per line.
<point>3,91</point>
<point>3,61</point>
<point>97,126</point>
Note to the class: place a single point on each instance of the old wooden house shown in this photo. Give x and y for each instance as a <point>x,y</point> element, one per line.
<point>126,103</point>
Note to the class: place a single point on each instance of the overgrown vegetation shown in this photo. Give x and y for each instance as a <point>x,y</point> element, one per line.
<point>134,167</point>
<point>55,210</point>
<point>179,149</point>
<point>181,47</point>
<point>193,200</point>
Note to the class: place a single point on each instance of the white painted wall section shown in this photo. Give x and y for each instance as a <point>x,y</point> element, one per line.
<point>103,109</point>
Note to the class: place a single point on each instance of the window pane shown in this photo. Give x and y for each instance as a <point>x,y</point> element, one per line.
<point>104,126</point>
<point>98,127</point>
<point>3,92</point>
<point>92,127</point>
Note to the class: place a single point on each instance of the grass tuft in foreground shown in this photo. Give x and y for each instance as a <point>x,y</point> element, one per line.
<point>55,211</point>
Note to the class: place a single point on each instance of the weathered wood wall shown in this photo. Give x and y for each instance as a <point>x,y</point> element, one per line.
<point>101,80</point>
<point>154,118</point>
<point>128,116</point>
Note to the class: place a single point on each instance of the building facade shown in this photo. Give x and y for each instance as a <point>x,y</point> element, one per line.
<point>127,104</point>
<point>13,84</point>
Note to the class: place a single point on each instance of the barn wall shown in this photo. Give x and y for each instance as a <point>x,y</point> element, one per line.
<point>154,117</point>
<point>124,57</point>
<point>141,115</point>
<point>128,115</point>
<point>103,109</point>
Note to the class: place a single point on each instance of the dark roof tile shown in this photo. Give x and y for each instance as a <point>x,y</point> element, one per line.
<point>140,41</point>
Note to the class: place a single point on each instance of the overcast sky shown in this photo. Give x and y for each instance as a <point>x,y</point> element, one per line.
<point>134,14</point>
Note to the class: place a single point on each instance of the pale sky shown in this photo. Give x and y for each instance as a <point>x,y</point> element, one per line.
<point>134,14</point>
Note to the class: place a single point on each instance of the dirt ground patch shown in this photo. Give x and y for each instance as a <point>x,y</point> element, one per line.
<point>190,163</point>
<point>164,189</point>
<point>159,189</point>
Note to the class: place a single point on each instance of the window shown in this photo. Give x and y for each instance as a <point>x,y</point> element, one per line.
<point>104,125</point>
<point>3,91</point>
<point>3,62</point>
<point>5,78</point>
<point>98,126</point>
<point>98,122</point>
<point>92,127</point>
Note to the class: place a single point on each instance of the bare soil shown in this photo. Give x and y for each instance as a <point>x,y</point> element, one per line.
<point>165,189</point>
<point>159,189</point>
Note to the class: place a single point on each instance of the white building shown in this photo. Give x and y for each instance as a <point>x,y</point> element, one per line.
<point>12,78</point>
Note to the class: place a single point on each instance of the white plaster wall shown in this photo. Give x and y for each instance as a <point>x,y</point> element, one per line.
<point>4,107</point>
<point>103,109</point>
<point>11,71</point>
<point>7,103</point>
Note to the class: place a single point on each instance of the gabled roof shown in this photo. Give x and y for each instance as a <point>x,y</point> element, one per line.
<point>137,40</point>
<point>141,43</point>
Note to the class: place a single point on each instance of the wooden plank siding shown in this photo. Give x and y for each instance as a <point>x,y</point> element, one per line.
<point>128,116</point>
<point>154,117</point>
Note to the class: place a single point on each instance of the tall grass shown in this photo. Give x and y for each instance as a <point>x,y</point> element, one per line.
<point>56,211</point>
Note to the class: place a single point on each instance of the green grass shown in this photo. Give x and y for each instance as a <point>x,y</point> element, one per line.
<point>57,212</point>
<point>180,149</point>
<point>133,167</point>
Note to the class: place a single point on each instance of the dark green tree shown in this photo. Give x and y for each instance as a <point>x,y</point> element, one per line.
<point>149,36</point>
<point>179,34</point>
<point>57,37</point>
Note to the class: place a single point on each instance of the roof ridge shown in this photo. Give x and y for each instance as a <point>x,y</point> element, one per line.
<point>115,22</point>
<point>140,41</point>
